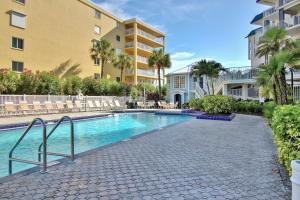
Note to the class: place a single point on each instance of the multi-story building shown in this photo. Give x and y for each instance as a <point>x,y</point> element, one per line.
<point>43,35</point>
<point>282,13</point>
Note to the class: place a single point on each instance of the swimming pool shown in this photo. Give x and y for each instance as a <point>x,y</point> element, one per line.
<point>89,134</point>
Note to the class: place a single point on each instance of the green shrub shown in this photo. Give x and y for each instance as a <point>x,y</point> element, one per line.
<point>269,109</point>
<point>196,104</point>
<point>248,106</point>
<point>28,83</point>
<point>218,104</point>
<point>48,84</point>
<point>8,81</point>
<point>286,130</point>
<point>72,85</point>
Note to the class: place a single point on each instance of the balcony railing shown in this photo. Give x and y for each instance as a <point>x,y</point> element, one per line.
<point>283,2</point>
<point>269,11</point>
<point>143,72</point>
<point>296,20</point>
<point>145,34</point>
<point>139,45</point>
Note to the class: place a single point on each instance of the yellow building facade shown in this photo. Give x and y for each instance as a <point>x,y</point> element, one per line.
<point>43,35</point>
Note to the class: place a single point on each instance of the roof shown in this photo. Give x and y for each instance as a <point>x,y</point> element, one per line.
<point>257,17</point>
<point>253,32</point>
<point>144,24</point>
<point>185,70</point>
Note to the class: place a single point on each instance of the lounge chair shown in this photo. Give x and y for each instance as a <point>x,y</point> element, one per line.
<point>37,107</point>
<point>70,105</point>
<point>141,105</point>
<point>78,105</point>
<point>111,105</point>
<point>119,106</point>
<point>105,106</point>
<point>23,107</point>
<point>98,105</point>
<point>60,106</point>
<point>91,105</point>
<point>49,107</point>
<point>151,104</point>
<point>172,105</point>
<point>10,108</point>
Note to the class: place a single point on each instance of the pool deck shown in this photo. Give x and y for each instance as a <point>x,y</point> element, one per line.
<point>196,159</point>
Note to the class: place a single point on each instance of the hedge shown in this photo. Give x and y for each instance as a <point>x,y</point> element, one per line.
<point>286,130</point>
<point>218,104</point>
<point>196,104</point>
<point>248,106</point>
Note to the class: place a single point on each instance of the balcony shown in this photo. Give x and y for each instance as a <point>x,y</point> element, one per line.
<point>143,72</point>
<point>145,35</point>
<point>270,12</point>
<point>139,45</point>
<point>284,2</point>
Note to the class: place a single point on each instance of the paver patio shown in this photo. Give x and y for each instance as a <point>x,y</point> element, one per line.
<point>196,159</point>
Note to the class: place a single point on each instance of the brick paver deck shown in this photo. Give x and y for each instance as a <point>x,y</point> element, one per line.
<point>197,159</point>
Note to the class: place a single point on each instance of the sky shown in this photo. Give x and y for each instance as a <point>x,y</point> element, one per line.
<point>196,29</point>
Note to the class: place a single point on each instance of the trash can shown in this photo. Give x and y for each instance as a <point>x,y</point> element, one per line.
<point>295,180</point>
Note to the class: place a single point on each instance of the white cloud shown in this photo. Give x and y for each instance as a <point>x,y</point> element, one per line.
<point>116,7</point>
<point>180,63</point>
<point>182,55</point>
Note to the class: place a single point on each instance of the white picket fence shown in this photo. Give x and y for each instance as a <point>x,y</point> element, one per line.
<point>296,93</point>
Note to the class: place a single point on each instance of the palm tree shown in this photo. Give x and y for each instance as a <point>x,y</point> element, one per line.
<point>273,75</point>
<point>209,69</point>
<point>160,61</point>
<point>102,50</point>
<point>123,61</point>
<point>273,40</point>
<point>294,61</point>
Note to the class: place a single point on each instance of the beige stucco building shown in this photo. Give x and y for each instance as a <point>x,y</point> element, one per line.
<point>44,34</point>
<point>282,13</point>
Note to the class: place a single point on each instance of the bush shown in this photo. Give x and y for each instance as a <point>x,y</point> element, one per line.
<point>8,81</point>
<point>286,130</point>
<point>48,84</point>
<point>218,104</point>
<point>269,109</point>
<point>196,104</point>
<point>248,106</point>
<point>28,83</point>
<point>72,85</point>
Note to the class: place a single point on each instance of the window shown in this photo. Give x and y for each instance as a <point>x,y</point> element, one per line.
<point>118,38</point>
<point>118,25</point>
<point>18,19</point>
<point>97,30</point>
<point>118,79</point>
<point>17,43</point>
<point>195,79</point>
<point>96,61</point>
<point>17,66</point>
<point>118,51</point>
<point>179,82</point>
<point>98,14</point>
<point>20,1</point>
<point>97,76</point>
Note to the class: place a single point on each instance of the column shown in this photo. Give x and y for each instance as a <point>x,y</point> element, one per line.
<point>225,89</point>
<point>245,91</point>
<point>135,43</point>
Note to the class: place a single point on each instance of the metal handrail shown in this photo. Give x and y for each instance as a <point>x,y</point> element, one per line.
<point>72,156</point>
<point>44,163</point>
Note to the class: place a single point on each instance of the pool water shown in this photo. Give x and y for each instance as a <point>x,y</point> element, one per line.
<point>89,134</point>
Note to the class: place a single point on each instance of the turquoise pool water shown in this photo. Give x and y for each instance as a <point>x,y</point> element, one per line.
<point>89,134</point>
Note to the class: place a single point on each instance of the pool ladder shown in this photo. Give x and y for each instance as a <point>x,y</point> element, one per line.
<point>42,150</point>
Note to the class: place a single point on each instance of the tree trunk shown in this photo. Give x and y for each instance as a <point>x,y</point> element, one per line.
<point>283,88</point>
<point>121,78</point>
<point>159,83</point>
<point>102,68</point>
<point>275,93</point>
<point>207,85</point>
<point>212,86</point>
<point>292,82</point>
<point>278,90</point>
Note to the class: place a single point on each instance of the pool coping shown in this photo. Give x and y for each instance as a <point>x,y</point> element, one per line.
<point>82,154</point>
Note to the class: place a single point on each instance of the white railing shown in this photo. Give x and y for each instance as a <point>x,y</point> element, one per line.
<point>143,72</point>
<point>16,99</point>
<point>139,45</point>
<point>142,59</point>
<point>145,47</point>
<point>198,90</point>
<point>296,93</point>
<point>269,11</point>
<point>145,34</point>
<point>283,2</point>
